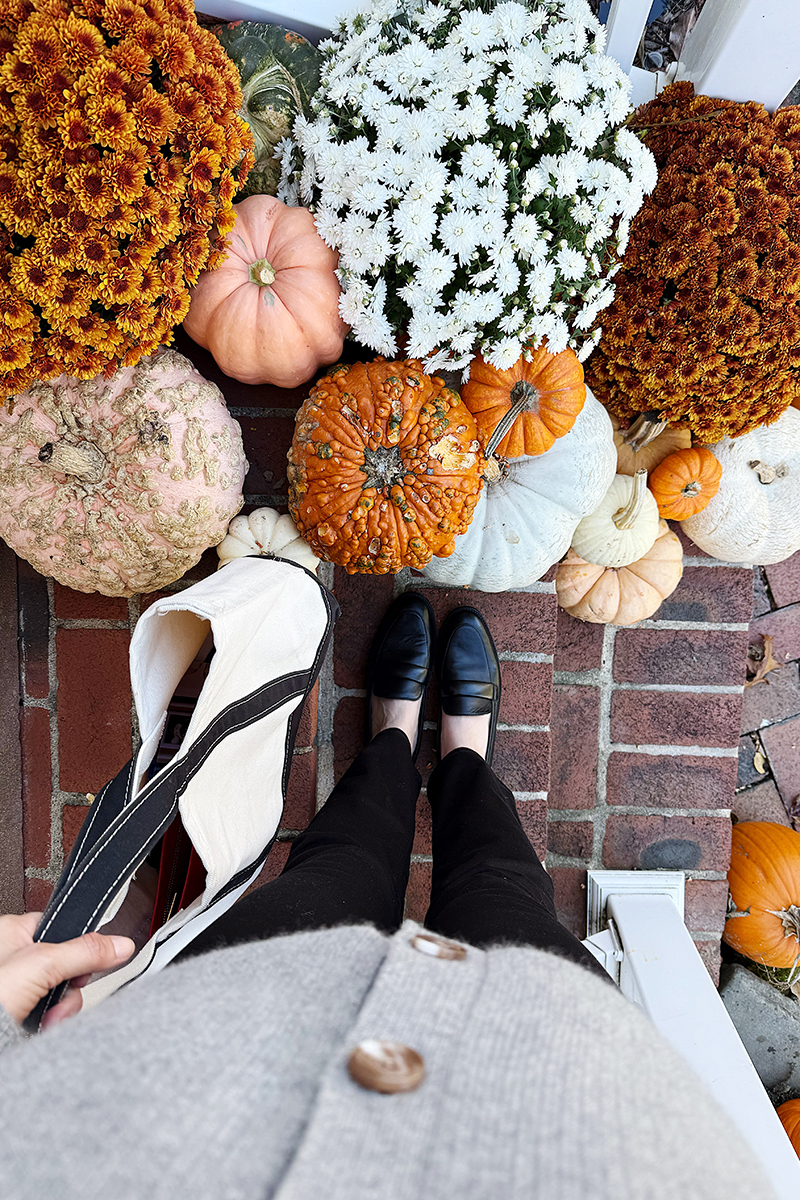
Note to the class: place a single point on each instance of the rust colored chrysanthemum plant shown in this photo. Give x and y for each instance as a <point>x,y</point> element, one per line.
<point>705,325</point>
<point>120,152</point>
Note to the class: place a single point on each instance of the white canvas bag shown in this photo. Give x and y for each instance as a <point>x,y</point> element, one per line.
<point>271,622</point>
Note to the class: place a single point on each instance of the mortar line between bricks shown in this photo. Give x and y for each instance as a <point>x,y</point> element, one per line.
<point>90,623</point>
<point>722,689</point>
<point>718,875</point>
<point>695,560</point>
<point>704,626</point>
<point>56,803</point>
<point>526,796</point>
<point>242,410</point>
<point>524,656</point>
<point>328,699</point>
<point>674,751</point>
<point>606,692</point>
<point>503,728</point>
<point>134,612</point>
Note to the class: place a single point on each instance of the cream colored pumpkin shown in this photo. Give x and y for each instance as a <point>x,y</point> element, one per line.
<point>624,595</point>
<point>524,520</point>
<point>266,531</point>
<point>624,525</point>
<point>118,485</point>
<point>755,516</point>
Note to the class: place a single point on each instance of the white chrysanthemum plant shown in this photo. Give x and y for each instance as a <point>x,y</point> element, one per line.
<point>466,160</point>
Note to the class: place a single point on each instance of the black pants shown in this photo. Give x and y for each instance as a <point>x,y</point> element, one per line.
<point>351,864</point>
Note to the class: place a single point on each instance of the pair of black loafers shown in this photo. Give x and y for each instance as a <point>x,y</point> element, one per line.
<point>401,663</point>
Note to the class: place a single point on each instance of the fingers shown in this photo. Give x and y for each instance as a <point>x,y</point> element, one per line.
<point>16,932</point>
<point>68,1007</point>
<point>30,974</point>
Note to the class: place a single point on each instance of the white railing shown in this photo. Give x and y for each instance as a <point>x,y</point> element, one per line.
<point>635,922</point>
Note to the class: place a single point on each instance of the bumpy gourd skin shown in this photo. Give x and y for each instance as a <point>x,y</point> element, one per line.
<point>385,468</point>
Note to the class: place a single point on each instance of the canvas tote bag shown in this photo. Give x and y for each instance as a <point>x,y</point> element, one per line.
<point>214,808</point>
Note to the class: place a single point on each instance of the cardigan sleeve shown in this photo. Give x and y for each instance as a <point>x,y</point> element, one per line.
<point>10,1032</point>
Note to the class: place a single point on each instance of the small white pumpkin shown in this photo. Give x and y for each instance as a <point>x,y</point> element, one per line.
<point>266,531</point>
<point>623,527</point>
<point>524,519</point>
<point>755,516</point>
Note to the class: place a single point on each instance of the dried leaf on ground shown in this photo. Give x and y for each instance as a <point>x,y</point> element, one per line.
<point>760,762</point>
<point>766,663</point>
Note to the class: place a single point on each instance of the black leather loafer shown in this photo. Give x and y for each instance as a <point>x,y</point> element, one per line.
<point>400,661</point>
<point>469,671</point>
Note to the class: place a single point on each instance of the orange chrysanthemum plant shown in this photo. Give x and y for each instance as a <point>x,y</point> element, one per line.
<point>705,324</point>
<point>120,151</point>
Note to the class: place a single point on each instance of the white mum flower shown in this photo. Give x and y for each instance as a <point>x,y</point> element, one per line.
<point>618,104</point>
<point>511,22</point>
<point>419,132</point>
<point>537,125</point>
<point>474,117</point>
<point>569,81</point>
<point>329,226</point>
<point>415,222</point>
<point>508,276</point>
<point>525,232</point>
<point>460,231</point>
<point>540,282</point>
<point>602,70</point>
<point>431,17</point>
<point>560,39</point>
<point>370,196</point>
<point>396,171</point>
<point>535,183</point>
<point>429,181</point>
<point>571,263</point>
<point>502,355</point>
<point>582,212</point>
<point>474,32</point>
<point>477,160</point>
<point>464,192</point>
<point>435,270</point>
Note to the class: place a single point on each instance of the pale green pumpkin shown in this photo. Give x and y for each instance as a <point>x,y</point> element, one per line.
<point>279,72</point>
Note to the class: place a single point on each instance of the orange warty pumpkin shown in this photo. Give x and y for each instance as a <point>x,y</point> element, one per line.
<point>789,1114</point>
<point>537,401</point>
<point>684,482</point>
<point>764,881</point>
<point>385,467</point>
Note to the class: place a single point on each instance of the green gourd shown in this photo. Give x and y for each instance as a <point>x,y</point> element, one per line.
<point>279,71</point>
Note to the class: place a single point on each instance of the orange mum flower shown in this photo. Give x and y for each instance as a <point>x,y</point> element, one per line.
<point>724,222</point>
<point>97,254</point>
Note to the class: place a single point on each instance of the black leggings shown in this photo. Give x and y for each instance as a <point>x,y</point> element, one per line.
<point>351,864</point>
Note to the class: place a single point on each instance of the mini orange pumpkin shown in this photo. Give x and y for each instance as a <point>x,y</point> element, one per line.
<point>789,1114</point>
<point>621,595</point>
<point>684,482</point>
<point>764,881</point>
<point>385,467</point>
<point>527,407</point>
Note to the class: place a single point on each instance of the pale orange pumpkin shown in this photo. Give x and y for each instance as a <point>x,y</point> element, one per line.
<point>621,595</point>
<point>270,312</point>
<point>684,482</point>
<point>523,410</point>
<point>647,442</point>
<point>764,882</point>
<point>789,1114</point>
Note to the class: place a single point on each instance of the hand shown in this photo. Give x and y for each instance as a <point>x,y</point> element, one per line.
<point>28,969</point>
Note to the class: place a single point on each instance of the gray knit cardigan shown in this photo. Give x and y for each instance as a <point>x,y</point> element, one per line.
<point>224,1078</point>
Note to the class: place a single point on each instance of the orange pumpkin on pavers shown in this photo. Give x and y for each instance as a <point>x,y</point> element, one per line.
<point>537,401</point>
<point>647,442</point>
<point>764,881</point>
<point>270,312</point>
<point>789,1114</point>
<point>684,482</point>
<point>385,467</point>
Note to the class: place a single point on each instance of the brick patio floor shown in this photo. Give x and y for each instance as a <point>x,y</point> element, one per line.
<point>620,744</point>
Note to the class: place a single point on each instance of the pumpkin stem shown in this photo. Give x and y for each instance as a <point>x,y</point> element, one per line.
<point>625,517</point>
<point>524,398</point>
<point>85,461</point>
<point>765,472</point>
<point>692,489</point>
<point>790,920</point>
<point>262,273</point>
<point>645,429</point>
